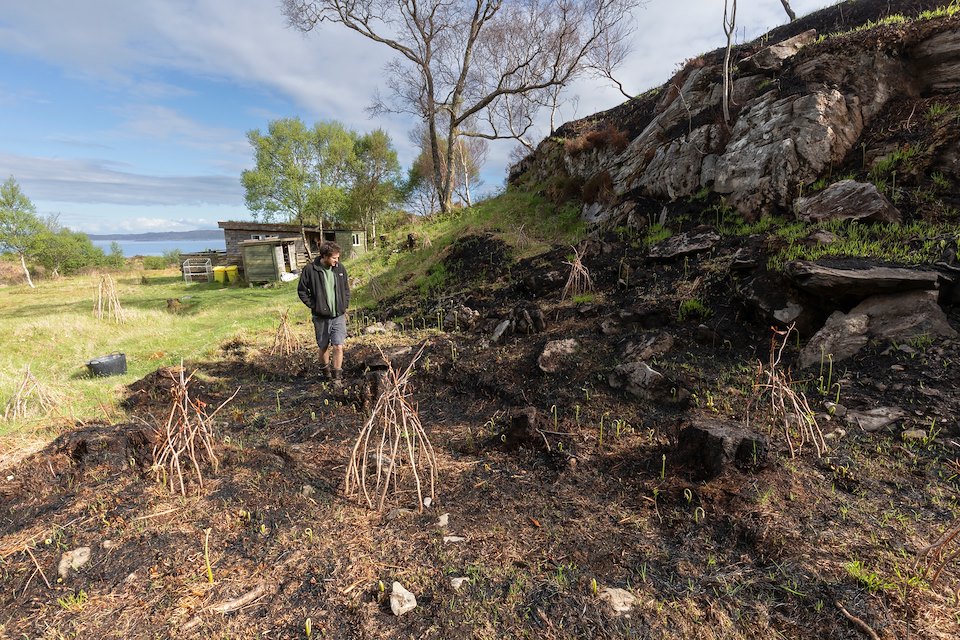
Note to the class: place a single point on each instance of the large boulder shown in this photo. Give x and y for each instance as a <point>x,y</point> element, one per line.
<point>771,58</point>
<point>847,200</point>
<point>684,244</point>
<point>897,317</point>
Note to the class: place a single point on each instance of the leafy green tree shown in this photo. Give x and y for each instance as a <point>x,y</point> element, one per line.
<point>63,251</point>
<point>20,227</point>
<point>283,180</point>
<point>301,174</point>
<point>376,181</point>
<point>115,258</point>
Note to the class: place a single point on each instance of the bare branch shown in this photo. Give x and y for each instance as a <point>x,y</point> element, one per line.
<point>473,67</point>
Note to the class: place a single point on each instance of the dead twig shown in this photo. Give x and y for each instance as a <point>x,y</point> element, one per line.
<point>30,394</point>
<point>788,405</point>
<point>941,553</point>
<point>392,441</point>
<point>37,564</point>
<point>229,606</point>
<point>860,624</point>
<point>186,439</point>
<point>579,281</point>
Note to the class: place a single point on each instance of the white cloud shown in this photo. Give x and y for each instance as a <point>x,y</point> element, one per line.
<point>94,181</point>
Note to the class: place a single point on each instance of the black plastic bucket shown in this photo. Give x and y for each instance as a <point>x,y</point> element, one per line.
<point>111,365</point>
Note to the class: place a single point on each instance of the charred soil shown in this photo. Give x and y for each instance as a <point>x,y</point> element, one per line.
<point>594,496</point>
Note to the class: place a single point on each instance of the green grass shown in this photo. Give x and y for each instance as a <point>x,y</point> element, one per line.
<point>527,223</point>
<point>52,330</point>
<point>907,244</point>
<point>944,11</point>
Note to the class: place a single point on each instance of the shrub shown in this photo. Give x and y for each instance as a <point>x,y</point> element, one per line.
<point>599,188</point>
<point>608,137</point>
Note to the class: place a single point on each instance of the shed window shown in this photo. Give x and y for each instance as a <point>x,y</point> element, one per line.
<point>356,240</point>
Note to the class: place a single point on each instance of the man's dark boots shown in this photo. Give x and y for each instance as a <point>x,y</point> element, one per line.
<point>326,373</point>
<point>337,377</point>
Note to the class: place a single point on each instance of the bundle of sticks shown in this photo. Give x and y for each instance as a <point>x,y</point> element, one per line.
<point>392,449</point>
<point>186,439</point>
<point>108,301</point>
<point>30,393</point>
<point>285,342</point>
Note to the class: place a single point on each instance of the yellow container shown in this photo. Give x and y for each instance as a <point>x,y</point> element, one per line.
<point>219,274</point>
<point>233,272</point>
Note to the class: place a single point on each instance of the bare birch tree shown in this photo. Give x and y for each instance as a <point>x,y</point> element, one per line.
<point>474,67</point>
<point>729,27</point>
<point>788,9</point>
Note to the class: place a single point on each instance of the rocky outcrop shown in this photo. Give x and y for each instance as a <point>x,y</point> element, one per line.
<point>778,143</point>
<point>799,109</point>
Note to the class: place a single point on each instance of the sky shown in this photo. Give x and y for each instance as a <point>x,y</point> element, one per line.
<point>120,116</point>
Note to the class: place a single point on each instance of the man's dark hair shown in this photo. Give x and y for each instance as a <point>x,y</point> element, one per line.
<point>327,248</point>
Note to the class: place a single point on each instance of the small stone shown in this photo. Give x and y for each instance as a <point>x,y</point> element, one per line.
<point>443,520</point>
<point>401,600</point>
<point>897,367</point>
<point>620,600</point>
<point>73,560</point>
<point>454,539</point>
<point>456,583</point>
<point>427,501</point>
<point>835,435</point>
<point>109,544</point>
<point>914,434</point>
<point>307,490</point>
<point>396,514</point>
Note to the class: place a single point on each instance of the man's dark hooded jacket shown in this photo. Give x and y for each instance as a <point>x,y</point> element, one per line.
<point>311,292</point>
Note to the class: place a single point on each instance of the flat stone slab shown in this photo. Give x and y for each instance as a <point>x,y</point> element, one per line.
<point>684,244</point>
<point>839,284</point>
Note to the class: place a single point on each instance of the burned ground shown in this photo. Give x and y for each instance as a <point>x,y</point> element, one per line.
<point>600,498</point>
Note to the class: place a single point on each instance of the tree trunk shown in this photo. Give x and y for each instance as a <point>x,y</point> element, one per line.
<point>306,245</point>
<point>786,7</point>
<point>26,272</point>
<point>729,27</point>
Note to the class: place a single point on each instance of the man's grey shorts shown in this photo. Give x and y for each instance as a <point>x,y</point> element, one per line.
<point>330,330</point>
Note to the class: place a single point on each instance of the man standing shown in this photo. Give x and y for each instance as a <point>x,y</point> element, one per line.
<point>325,290</point>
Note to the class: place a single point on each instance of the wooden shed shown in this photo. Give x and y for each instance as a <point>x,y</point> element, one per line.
<point>268,260</point>
<point>352,241</point>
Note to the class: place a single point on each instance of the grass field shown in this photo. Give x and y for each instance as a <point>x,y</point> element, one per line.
<point>52,330</point>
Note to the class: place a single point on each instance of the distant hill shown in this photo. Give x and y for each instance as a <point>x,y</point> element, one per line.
<point>196,234</point>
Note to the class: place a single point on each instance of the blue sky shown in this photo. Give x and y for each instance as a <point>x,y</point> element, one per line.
<point>132,116</point>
